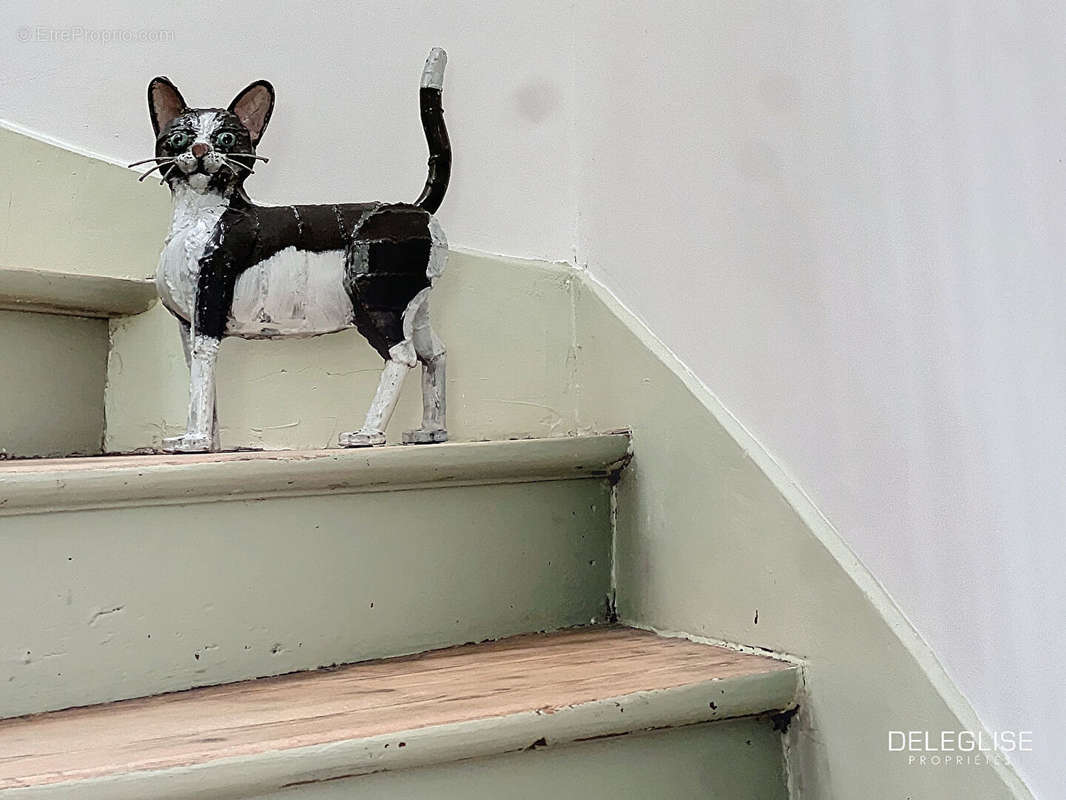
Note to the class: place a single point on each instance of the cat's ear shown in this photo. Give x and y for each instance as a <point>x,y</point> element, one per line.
<point>164,102</point>
<point>253,106</point>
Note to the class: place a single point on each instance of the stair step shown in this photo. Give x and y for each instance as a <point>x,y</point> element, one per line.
<point>168,572</point>
<point>65,484</point>
<point>53,357</point>
<point>54,292</point>
<point>247,739</point>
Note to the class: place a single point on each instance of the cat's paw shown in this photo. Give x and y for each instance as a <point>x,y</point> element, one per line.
<point>425,436</point>
<point>361,439</point>
<point>189,443</point>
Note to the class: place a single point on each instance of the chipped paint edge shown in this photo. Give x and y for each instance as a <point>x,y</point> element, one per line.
<point>287,474</point>
<point>789,658</point>
<point>250,776</point>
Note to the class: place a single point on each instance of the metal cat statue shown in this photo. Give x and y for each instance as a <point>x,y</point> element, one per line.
<point>230,267</point>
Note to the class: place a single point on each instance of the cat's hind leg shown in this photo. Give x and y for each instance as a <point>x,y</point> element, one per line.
<point>394,254</point>
<point>432,354</point>
<point>372,434</point>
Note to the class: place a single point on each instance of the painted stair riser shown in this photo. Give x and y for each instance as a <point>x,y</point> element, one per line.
<point>52,372</point>
<point>738,760</point>
<point>112,603</point>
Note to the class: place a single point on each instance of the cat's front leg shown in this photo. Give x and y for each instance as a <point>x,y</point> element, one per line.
<point>175,444</point>
<point>186,347</point>
<point>201,430</point>
<point>214,296</point>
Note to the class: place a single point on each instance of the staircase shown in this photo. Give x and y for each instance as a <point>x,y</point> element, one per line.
<point>172,625</point>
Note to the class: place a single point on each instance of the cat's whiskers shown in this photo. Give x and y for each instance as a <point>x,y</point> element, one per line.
<point>165,175</point>
<point>169,161</point>
<point>153,158</point>
<point>153,169</point>
<point>231,163</point>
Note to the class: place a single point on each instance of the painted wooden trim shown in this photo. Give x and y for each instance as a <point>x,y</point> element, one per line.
<point>731,685</point>
<point>47,292</point>
<point>33,487</point>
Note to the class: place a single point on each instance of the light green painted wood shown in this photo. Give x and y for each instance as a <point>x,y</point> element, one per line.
<point>51,384</point>
<point>506,325</point>
<point>708,544</point>
<point>40,488</point>
<point>107,604</point>
<point>73,294</point>
<point>726,761</point>
<point>66,212</point>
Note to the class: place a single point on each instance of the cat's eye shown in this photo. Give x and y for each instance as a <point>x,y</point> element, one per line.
<point>178,140</point>
<point>226,139</point>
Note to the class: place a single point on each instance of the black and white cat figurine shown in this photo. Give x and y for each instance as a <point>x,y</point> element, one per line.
<point>230,267</point>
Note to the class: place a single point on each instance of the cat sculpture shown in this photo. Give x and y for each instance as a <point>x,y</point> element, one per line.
<point>231,267</point>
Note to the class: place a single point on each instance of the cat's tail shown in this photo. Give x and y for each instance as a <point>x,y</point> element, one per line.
<point>440,150</point>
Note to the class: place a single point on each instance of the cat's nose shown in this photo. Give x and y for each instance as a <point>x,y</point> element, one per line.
<point>200,149</point>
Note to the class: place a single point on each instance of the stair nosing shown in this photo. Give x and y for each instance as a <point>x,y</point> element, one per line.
<point>44,291</point>
<point>32,487</point>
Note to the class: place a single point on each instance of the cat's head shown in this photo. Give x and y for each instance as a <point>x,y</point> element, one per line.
<point>208,149</point>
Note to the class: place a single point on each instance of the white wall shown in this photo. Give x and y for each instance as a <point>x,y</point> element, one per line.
<point>844,216</point>
<point>847,219</point>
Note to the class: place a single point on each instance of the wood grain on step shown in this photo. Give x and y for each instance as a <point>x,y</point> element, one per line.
<point>521,674</point>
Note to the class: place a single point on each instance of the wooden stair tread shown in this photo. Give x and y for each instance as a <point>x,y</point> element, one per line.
<point>532,676</point>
